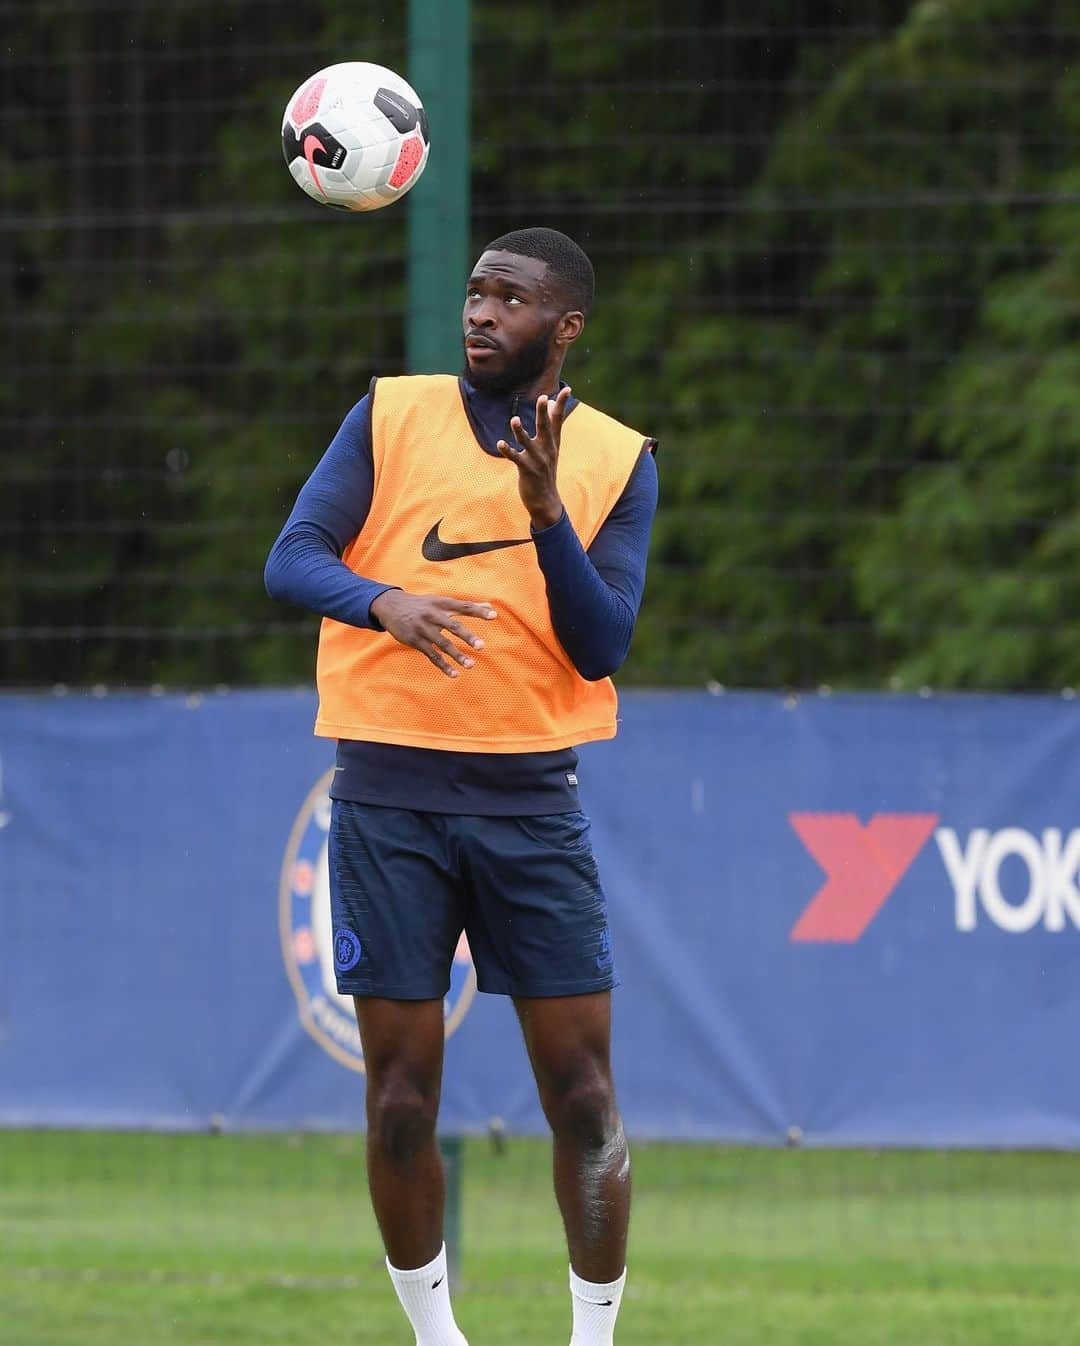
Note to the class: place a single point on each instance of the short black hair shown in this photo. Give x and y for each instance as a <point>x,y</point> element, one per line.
<point>565,260</point>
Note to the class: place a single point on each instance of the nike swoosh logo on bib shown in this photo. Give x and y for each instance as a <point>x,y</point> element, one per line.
<point>435,549</point>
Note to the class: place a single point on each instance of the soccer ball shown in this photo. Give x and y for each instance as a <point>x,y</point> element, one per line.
<point>355,136</point>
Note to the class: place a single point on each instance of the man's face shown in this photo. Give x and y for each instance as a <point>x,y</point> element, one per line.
<point>509,320</point>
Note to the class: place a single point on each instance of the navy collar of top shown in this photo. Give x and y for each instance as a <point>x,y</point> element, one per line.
<point>490,414</point>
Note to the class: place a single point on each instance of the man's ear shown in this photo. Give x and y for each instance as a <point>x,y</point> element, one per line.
<point>569,328</point>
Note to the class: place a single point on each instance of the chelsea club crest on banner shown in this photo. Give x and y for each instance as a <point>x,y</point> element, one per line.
<point>308,945</point>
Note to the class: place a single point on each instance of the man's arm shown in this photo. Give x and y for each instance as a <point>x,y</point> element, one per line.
<point>304,565</point>
<point>594,596</point>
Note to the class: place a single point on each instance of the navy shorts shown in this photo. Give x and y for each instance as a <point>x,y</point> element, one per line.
<point>405,884</point>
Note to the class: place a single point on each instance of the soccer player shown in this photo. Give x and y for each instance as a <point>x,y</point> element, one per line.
<point>477,549</point>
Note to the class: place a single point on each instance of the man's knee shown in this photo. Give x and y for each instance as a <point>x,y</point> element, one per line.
<point>584,1112</point>
<point>401,1116</point>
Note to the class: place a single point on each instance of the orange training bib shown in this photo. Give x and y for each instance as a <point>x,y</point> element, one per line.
<point>438,495</point>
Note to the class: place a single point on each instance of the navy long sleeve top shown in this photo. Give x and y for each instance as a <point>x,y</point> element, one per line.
<point>593,597</point>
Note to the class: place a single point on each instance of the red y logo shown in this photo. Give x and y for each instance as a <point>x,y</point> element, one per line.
<point>863,864</point>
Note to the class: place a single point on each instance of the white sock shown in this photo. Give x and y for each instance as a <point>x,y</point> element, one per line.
<point>425,1296</point>
<point>595,1309</point>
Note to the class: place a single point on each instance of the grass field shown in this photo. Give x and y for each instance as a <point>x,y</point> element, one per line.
<point>190,1240</point>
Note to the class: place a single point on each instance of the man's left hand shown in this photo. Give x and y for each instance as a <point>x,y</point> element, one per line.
<point>537,460</point>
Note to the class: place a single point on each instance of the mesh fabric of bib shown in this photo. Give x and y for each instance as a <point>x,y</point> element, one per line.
<point>433,480</point>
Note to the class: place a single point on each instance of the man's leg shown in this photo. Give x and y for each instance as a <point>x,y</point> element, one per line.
<point>403,1055</point>
<point>568,1041</point>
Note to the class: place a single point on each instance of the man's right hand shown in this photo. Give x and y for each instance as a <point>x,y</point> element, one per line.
<point>427,621</point>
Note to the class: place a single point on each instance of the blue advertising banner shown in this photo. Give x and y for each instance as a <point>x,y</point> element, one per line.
<point>836,920</point>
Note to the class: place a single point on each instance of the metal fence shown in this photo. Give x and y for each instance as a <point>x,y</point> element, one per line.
<point>834,266</point>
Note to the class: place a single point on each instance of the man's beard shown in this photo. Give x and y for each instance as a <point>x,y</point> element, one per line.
<point>521,369</point>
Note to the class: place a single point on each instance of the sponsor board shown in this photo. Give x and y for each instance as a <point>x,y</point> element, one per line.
<point>1012,879</point>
